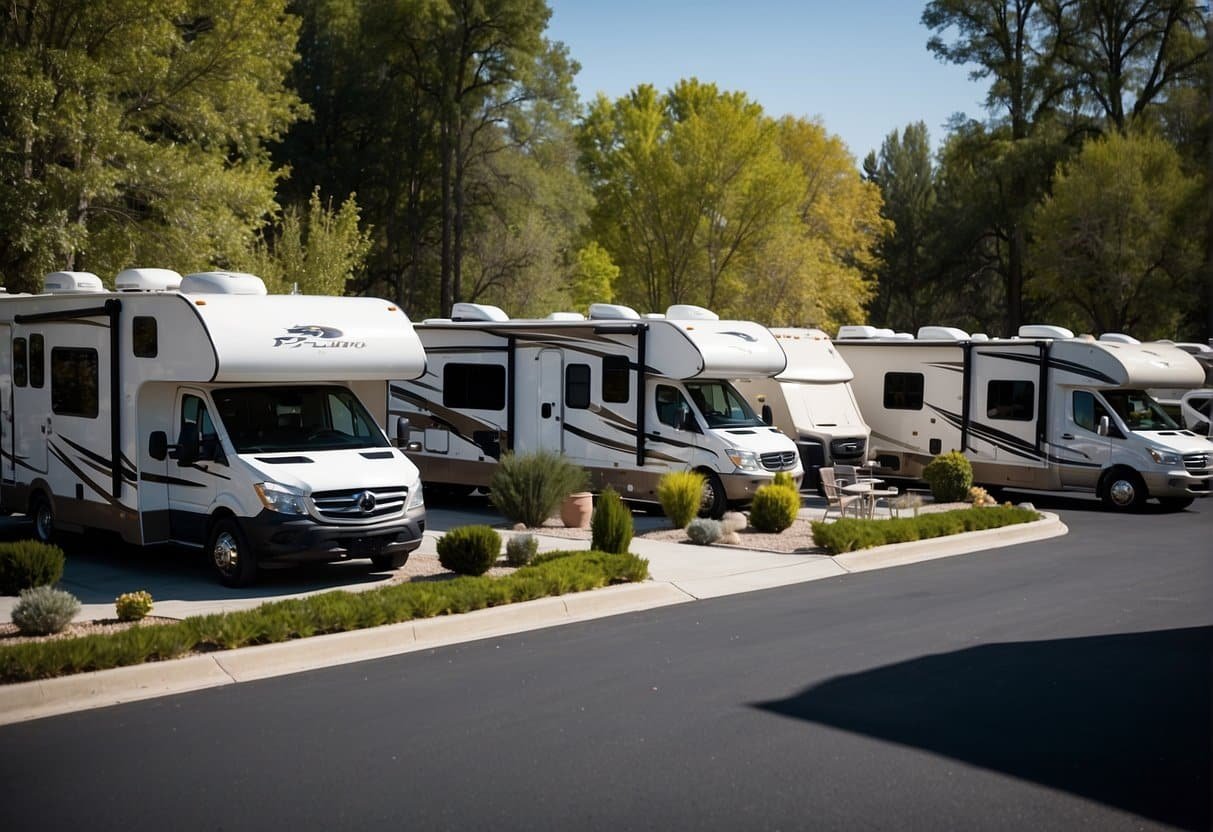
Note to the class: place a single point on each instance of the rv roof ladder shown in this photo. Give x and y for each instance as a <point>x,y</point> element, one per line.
<point>966,390</point>
<point>510,350</point>
<point>1046,348</point>
<point>642,331</point>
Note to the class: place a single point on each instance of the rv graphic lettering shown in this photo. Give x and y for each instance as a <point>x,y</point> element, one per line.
<point>312,336</point>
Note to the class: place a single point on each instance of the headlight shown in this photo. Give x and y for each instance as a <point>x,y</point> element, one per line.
<point>745,460</point>
<point>279,498</point>
<point>416,499</point>
<point>1164,457</point>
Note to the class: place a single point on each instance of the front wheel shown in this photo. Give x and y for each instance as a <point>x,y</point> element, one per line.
<point>712,503</point>
<point>396,560</point>
<point>44,520</point>
<point>233,559</point>
<point>1176,503</point>
<point>1125,491</point>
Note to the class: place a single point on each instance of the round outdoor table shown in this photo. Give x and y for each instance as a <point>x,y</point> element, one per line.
<point>870,493</point>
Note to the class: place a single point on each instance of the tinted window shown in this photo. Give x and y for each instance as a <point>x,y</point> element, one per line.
<point>74,382</point>
<point>476,386</point>
<point>577,386</point>
<point>37,361</point>
<point>671,407</point>
<point>261,419</point>
<point>616,384</point>
<point>903,391</point>
<point>20,362</point>
<point>1014,400</point>
<point>143,335</point>
<point>1088,411</point>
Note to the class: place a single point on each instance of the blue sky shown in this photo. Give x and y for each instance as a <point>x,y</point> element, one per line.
<point>861,66</point>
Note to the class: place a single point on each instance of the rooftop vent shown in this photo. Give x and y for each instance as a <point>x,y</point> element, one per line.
<point>72,283</point>
<point>612,312</point>
<point>687,312</point>
<point>1044,331</point>
<point>979,336</point>
<point>147,280</point>
<point>941,333</point>
<point>1118,338</point>
<point>477,312</point>
<point>222,283</point>
<point>852,332</point>
<point>566,316</point>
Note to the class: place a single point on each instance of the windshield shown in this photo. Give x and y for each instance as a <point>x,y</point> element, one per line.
<point>721,405</point>
<point>1138,410</point>
<point>321,418</point>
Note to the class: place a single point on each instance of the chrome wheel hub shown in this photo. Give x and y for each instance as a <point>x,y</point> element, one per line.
<point>226,553</point>
<point>45,522</point>
<point>1122,492</point>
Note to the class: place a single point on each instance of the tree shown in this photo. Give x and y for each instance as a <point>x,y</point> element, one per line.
<point>135,133</point>
<point>594,277</point>
<point>1116,249</point>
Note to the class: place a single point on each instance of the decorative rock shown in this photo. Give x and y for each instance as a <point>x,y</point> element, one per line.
<point>1028,506</point>
<point>733,521</point>
<point>520,527</point>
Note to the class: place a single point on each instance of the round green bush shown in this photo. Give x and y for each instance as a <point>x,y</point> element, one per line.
<point>950,475</point>
<point>28,563</point>
<point>611,526</point>
<point>680,494</point>
<point>132,606</point>
<point>785,479</point>
<point>469,550</point>
<point>529,488</point>
<point>521,549</point>
<point>774,508</point>
<point>44,610</point>
<point>704,531</point>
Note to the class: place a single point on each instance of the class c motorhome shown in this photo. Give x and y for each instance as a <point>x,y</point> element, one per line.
<point>812,402</point>
<point>1043,411</point>
<point>203,412</point>
<point>1193,408</point>
<point>626,397</point>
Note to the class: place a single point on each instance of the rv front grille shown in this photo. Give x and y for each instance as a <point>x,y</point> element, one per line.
<point>361,505</point>
<point>779,461</point>
<point>850,448</point>
<point>1196,462</point>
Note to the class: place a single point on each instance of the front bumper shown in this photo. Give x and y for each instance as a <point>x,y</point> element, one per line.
<point>1178,483</point>
<point>739,487</point>
<point>289,538</point>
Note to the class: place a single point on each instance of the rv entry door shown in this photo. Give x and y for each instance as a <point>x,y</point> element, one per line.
<point>193,479</point>
<point>31,402</point>
<point>551,401</point>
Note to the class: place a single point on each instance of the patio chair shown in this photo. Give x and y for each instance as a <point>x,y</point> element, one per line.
<point>845,474</point>
<point>836,497</point>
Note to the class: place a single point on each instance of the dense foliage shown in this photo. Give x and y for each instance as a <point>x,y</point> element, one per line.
<point>528,488</point>
<point>44,610</point>
<point>469,550</point>
<point>680,494</point>
<point>774,509</point>
<point>849,534</point>
<point>28,563</point>
<point>611,527</point>
<point>950,475</point>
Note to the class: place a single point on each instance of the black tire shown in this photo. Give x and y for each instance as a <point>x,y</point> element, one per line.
<point>43,514</point>
<point>713,503</point>
<point>1124,490</point>
<point>234,561</point>
<point>393,561</point>
<point>1176,503</point>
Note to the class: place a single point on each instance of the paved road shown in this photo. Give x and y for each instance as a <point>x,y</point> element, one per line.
<point>1057,685</point>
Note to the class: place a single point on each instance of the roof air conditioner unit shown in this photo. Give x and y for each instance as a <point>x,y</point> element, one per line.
<point>851,332</point>
<point>941,333</point>
<point>1044,331</point>
<point>147,280</point>
<point>222,283</point>
<point>72,283</point>
<point>566,316</point>
<point>477,312</point>
<point>1118,338</point>
<point>612,312</point>
<point>687,312</point>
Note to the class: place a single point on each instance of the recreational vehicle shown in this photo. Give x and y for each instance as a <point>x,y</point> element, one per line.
<point>626,397</point>
<point>201,411</point>
<point>1044,411</point>
<point>1192,408</point>
<point>812,402</point>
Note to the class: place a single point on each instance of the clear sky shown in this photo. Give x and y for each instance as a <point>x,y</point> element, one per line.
<point>861,66</point>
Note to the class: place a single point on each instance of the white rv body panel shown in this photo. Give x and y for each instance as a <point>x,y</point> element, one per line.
<point>812,402</point>
<point>1026,412</point>
<point>102,374</point>
<point>604,392</point>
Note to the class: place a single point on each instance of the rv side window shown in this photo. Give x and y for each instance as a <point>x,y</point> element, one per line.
<point>1088,411</point>
<point>671,407</point>
<point>74,382</point>
<point>20,363</point>
<point>193,412</point>
<point>616,384</point>
<point>577,386</point>
<point>1013,400</point>
<point>37,361</point>
<point>475,386</point>
<point>903,391</point>
<point>143,336</point>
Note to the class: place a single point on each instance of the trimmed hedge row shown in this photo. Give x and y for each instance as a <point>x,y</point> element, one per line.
<point>330,612</point>
<point>849,534</point>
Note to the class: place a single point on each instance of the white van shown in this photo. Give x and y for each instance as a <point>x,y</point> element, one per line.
<point>628,398</point>
<point>201,411</point>
<point>1044,411</point>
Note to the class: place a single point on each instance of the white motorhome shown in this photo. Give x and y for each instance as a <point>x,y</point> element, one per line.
<point>626,397</point>
<point>201,411</point>
<point>1192,408</point>
<point>1044,411</point>
<point>812,402</point>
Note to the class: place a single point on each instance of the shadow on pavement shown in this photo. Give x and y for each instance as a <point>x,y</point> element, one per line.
<point>1122,719</point>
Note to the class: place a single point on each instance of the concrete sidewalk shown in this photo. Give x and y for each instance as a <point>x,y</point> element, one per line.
<point>680,573</point>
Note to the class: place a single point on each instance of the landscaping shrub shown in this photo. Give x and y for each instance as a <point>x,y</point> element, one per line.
<point>132,606</point>
<point>43,610</point>
<point>528,488</point>
<point>704,531</point>
<point>784,479</point>
<point>28,563</point>
<point>611,526</point>
<point>680,493</point>
<point>849,534</point>
<point>521,549</point>
<point>774,508</point>
<point>329,612</point>
<point>469,550</point>
<point>950,475</point>
<point>980,498</point>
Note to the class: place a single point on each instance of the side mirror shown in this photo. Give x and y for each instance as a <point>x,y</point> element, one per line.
<point>402,431</point>
<point>188,448</point>
<point>157,445</point>
<point>1104,426</point>
<point>768,416</point>
<point>686,421</point>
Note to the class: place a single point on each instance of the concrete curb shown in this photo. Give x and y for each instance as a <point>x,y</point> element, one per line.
<point>50,697</point>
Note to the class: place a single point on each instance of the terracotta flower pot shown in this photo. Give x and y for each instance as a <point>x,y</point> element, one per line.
<point>576,510</point>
